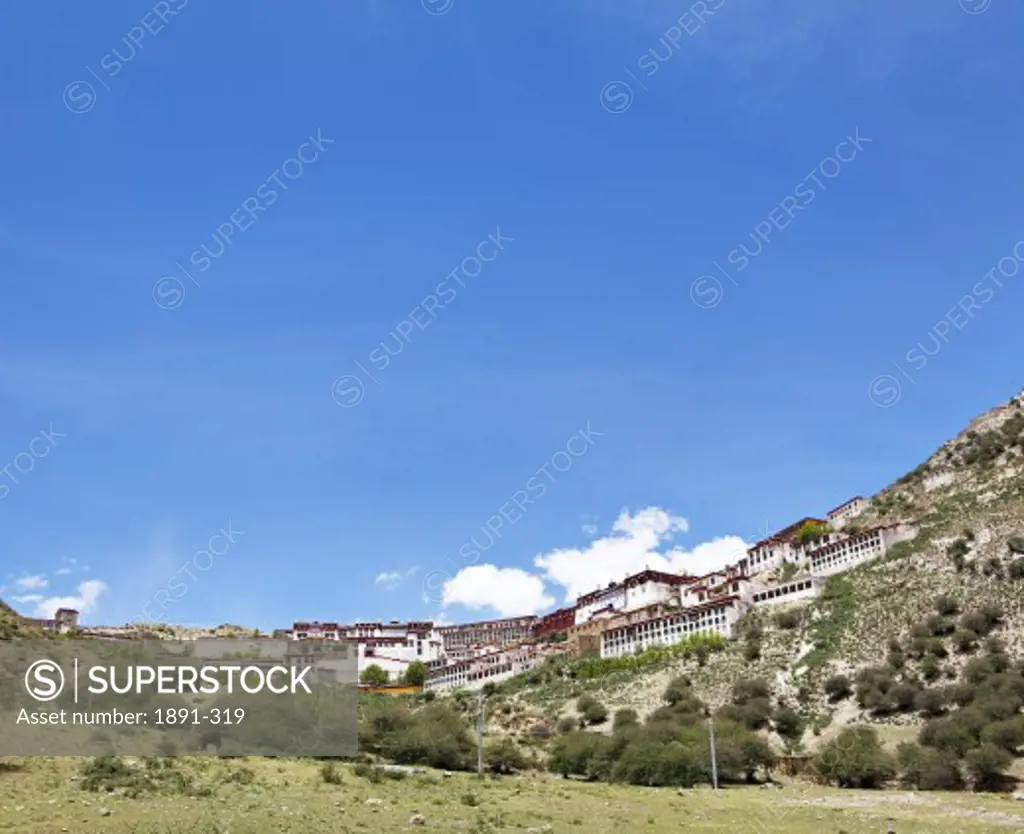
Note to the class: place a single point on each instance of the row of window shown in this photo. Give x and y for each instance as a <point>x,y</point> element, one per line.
<point>620,646</point>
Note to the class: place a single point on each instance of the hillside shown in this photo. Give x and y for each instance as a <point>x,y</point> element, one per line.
<point>967,501</point>
<point>12,624</point>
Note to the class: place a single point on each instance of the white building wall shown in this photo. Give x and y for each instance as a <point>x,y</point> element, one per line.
<point>665,631</point>
<point>648,593</point>
<point>856,550</point>
<point>615,597</point>
<point>841,516</point>
<point>793,591</point>
<point>491,669</point>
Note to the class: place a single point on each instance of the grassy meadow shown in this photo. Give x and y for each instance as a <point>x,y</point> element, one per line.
<point>236,796</point>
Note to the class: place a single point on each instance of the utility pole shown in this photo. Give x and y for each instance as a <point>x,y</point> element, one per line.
<point>480,734</point>
<point>714,755</point>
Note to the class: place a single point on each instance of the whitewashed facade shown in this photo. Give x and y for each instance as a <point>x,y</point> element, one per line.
<point>391,646</point>
<point>475,673</point>
<point>849,552</point>
<point>785,592</point>
<point>717,617</point>
<point>844,513</point>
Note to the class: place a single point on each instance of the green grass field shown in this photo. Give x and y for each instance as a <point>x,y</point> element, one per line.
<point>45,796</point>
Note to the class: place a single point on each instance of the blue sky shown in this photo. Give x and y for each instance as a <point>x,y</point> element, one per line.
<point>139,419</point>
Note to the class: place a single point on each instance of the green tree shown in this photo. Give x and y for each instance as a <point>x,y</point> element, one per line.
<point>928,769</point>
<point>416,673</point>
<point>502,756</point>
<point>987,766</point>
<point>855,759</point>
<point>374,675</point>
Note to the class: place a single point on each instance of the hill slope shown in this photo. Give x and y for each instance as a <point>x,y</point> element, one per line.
<point>967,501</point>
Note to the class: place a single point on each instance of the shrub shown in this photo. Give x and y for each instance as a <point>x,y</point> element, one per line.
<point>957,733</point>
<point>903,696</point>
<point>982,621</point>
<point>1000,662</point>
<point>788,620</point>
<point>568,724</point>
<point>374,675</point>
<point>678,690</point>
<point>930,702</point>
<point>788,723</point>
<point>936,648</point>
<point>593,711</point>
<point>1016,545</point>
<point>838,687</point>
<point>571,754</point>
<point>946,606</point>
<point>960,694</point>
<point>993,567</point>
<point>958,548</point>
<point>855,759</point>
<point>624,718</point>
<point>1016,569</point>
<point>987,766</point>
<point>1007,734</point>
<point>917,647</point>
<point>965,640</point>
<point>896,660</point>
<point>750,688</point>
<point>502,756</point>
<point>928,769</point>
<point>752,651</point>
<point>436,736</point>
<point>159,775</point>
<point>369,772</point>
<point>753,714</point>
<point>939,625</point>
<point>648,762</point>
<point>873,687</point>
<point>330,774</point>
<point>931,671</point>
<point>977,669</point>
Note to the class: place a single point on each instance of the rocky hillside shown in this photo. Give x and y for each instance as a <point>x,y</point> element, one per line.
<point>911,612</point>
<point>12,624</point>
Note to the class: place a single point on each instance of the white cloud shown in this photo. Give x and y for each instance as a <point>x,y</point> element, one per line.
<point>31,583</point>
<point>389,580</point>
<point>509,591</point>
<point>62,571</point>
<point>85,601</point>
<point>27,599</point>
<point>636,542</point>
<point>632,547</point>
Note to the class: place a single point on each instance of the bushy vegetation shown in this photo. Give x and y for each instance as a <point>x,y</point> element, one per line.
<point>670,749</point>
<point>855,759</point>
<point>435,735</point>
<point>698,646</point>
<point>592,710</point>
<point>838,687</point>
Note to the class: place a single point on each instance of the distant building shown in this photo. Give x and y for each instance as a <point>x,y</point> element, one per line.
<point>718,617</point>
<point>845,512</point>
<point>64,620</point>
<point>847,553</point>
<point>491,668</point>
<point>785,546</point>
<point>636,591</point>
<point>557,622</point>
<point>391,646</point>
<point>781,593</point>
<point>487,633</point>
